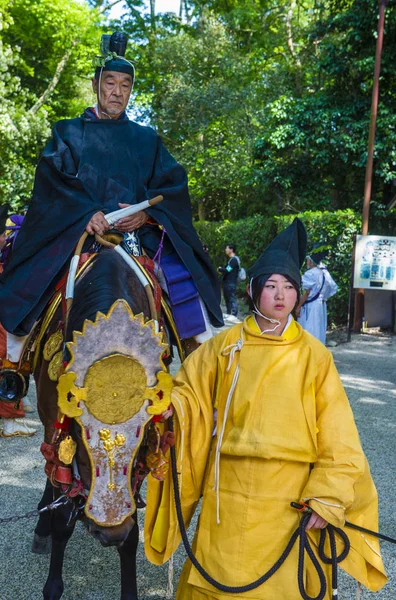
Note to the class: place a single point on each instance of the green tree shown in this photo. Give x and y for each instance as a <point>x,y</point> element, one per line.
<point>45,52</point>
<point>195,91</point>
<point>267,104</point>
<point>313,147</point>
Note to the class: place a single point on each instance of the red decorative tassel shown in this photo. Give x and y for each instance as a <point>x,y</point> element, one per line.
<point>65,426</point>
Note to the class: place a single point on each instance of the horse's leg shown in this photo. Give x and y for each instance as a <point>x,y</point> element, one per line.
<point>60,533</point>
<point>127,554</point>
<point>47,406</point>
<point>42,540</point>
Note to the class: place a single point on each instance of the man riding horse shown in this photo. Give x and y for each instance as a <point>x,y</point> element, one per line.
<point>93,165</point>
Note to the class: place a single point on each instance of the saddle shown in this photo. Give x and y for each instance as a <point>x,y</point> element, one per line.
<point>52,350</point>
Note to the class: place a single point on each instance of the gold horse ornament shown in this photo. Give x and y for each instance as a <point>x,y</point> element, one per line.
<point>114,383</point>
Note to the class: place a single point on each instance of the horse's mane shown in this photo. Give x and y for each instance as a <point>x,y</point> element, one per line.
<point>108,279</point>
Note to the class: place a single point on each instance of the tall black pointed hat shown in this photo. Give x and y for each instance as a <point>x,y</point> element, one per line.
<point>284,255</point>
<point>113,48</point>
<point>4,208</point>
<point>319,252</point>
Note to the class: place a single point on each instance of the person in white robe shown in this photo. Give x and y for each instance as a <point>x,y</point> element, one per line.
<point>318,286</point>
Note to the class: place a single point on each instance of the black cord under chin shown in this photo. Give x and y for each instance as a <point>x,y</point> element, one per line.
<point>304,547</point>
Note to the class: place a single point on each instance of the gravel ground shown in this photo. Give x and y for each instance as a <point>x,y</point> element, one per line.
<point>367,366</point>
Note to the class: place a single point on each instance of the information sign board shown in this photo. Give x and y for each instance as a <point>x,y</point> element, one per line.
<point>375,262</point>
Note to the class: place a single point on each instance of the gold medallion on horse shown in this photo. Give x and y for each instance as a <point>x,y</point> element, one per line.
<point>55,368</point>
<point>67,450</point>
<point>53,344</point>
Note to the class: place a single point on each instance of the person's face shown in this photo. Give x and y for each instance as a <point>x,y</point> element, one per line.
<point>3,240</point>
<point>278,298</point>
<point>228,251</point>
<point>115,89</point>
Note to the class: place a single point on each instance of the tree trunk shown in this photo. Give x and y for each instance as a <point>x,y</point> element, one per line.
<point>107,6</point>
<point>186,12</point>
<point>152,14</point>
<point>54,81</point>
<point>279,201</point>
<point>201,210</point>
<point>290,43</point>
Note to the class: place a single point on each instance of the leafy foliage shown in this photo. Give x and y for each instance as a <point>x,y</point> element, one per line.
<point>334,230</point>
<point>268,104</point>
<point>313,147</point>
<point>34,37</point>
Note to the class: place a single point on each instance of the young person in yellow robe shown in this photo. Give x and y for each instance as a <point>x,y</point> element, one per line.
<point>261,420</point>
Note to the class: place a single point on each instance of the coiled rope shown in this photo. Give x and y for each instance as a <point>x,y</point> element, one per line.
<point>304,547</point>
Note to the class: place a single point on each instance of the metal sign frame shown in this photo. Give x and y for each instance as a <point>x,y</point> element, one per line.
<point>375,262</point>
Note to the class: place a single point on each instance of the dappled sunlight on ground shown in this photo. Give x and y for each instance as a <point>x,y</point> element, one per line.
<point>367,400</point>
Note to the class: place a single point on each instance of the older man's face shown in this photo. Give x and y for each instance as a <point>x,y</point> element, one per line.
<point>114,92</point>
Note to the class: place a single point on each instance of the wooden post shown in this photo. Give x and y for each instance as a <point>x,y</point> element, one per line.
<point>359,295</point>
<point>350,299</point>
<point>373,118</point>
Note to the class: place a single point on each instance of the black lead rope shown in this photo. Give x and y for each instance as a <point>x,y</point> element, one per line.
<point>333,559</point>
<point>304,546</point>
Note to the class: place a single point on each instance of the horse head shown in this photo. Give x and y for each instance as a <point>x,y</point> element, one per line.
<point>113,385</point>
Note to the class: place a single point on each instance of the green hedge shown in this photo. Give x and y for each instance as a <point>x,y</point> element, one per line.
<point>252,235</point>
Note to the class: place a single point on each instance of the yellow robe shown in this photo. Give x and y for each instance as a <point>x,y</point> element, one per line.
<point>289,435</point>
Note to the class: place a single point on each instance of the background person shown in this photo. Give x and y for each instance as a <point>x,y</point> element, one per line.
<point>229,281</point>
<point>318,286</point>
<point>11,423</point>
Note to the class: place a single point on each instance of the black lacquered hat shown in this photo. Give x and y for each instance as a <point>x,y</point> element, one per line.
<point>284,255</point>
<point>113,48</point>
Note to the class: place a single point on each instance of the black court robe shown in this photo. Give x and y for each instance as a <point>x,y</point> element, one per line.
<point>91,165</point>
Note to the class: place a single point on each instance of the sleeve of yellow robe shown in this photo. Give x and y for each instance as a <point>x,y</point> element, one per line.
<point>194,423</point>
<point>340,460</point>
<point>340,479</point>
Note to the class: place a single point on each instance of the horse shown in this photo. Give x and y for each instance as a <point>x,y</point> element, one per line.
<point>106,279</point>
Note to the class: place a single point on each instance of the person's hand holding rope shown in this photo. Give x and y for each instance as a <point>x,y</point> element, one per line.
<point>316,522</point>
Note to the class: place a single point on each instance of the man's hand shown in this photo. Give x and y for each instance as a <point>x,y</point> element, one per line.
<point>97,224</point>
<point>128,224</point>
<point>316,522</point>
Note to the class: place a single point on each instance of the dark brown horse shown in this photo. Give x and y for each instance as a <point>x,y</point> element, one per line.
<point>106,279</point>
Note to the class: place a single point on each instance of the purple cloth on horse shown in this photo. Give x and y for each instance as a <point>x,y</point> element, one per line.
<point>183,297</point>
<point>17,221</point>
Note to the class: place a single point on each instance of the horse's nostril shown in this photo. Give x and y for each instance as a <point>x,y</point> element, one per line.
<point>111,536</point>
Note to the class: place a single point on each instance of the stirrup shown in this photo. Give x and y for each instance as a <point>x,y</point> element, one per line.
<point>13,386</point>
